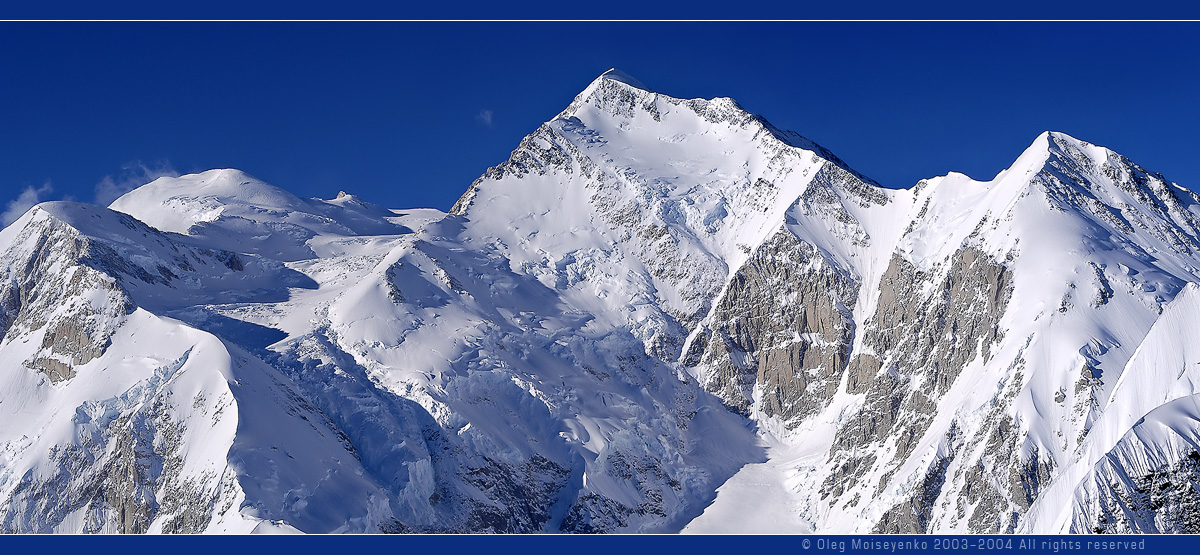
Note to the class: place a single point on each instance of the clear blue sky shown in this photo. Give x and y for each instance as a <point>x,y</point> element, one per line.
<point>395,112</point>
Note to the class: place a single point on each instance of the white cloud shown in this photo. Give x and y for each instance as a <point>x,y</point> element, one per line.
<point>24,201</point>
<point>132,176</point>
<point>485,116</point>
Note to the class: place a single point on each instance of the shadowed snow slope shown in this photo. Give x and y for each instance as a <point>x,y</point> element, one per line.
<point>656,310</point>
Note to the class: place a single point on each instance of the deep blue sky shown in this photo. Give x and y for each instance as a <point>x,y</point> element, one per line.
<point>392,111</point>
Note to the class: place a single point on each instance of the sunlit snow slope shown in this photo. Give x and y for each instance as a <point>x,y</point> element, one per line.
<point>658,315</point>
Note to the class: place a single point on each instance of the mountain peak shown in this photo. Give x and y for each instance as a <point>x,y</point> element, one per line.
<point>1048,146</point>
<point>1060,144</point>
<point>214,178</point>
<point>612,85</point>
<point>614,74</point>
<point>1049,139</point>
<point>178,203</point>
<point>221,182</point>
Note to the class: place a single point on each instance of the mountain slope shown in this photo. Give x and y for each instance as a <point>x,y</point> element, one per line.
<point>120,420</point>
<point>990,350</point>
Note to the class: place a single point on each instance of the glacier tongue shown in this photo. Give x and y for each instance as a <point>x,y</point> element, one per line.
<point>654,307</point>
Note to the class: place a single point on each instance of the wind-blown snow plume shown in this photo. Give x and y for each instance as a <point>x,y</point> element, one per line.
<point>29,197</point>
<point>132,176</point>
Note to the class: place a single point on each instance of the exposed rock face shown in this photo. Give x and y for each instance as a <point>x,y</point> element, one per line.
<point>912,516</point>
<point>821,197</point>
<point>782,326</point>
<point>123,471</point>
<point>75,306</point>
<point>1157,208</point>
<point>513,500</point>
<point>1161,501</point>
<point>438,484</point>
<point>1002,482</point>
<point>74,289</point>
<point>1148,482</point>
<point>936,334</point>
<point>916,343</point>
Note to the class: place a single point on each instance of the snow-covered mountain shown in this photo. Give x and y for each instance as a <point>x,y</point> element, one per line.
<point>658,315</point>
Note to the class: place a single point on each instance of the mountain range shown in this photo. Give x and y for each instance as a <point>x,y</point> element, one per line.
<point>658,315</point>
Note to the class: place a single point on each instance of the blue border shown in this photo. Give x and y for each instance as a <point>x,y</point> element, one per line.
<point>617,9</point>
<point>607,545</point>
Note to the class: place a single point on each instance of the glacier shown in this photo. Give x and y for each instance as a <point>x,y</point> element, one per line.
<point>658,315</point>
